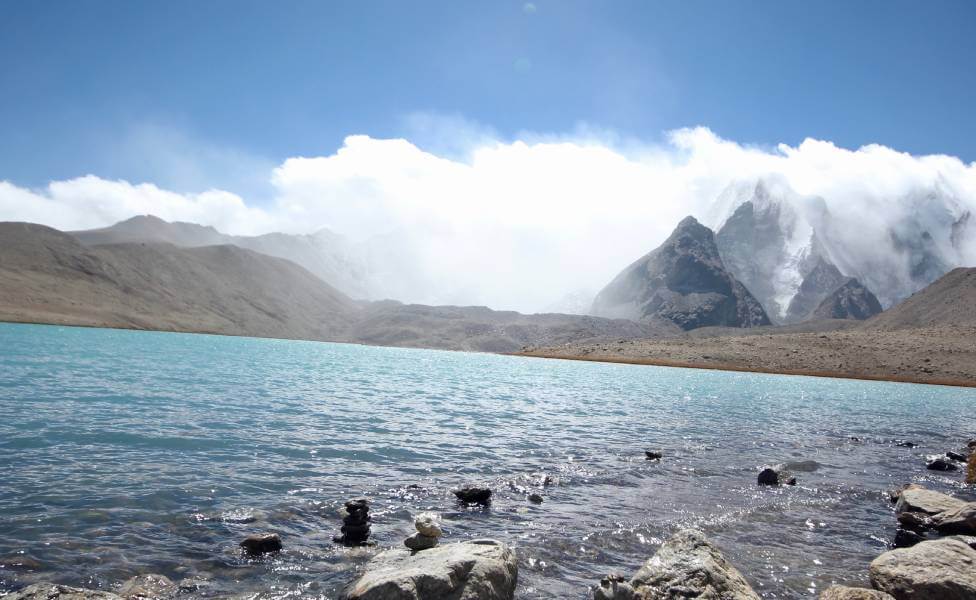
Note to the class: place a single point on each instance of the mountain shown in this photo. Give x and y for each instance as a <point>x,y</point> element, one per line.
<point>771,237</point>
<point>50,277</point>
<point>950,302</point>
<point>849,301</point>
<point>326,254</point>
<point>683,281</point>
<point>822,280</point>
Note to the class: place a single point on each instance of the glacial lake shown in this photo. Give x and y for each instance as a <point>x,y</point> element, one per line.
<point>127,452</point>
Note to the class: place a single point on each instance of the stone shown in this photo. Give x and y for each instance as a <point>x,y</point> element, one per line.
<point>957,456</point>
<point>355,523</point>
<point>653,454</point>
<point>614,587</point>
<point>473,494</point>
<point>915,521</point>
<point>357,505</point>
<point>419,541</point>
<point>960,521</point>
<point>775,476</point>
<point>905,444</point>
<point>536,498</point>
<point>905,538</point>
<point>689,566</point>
<point>941,464</point>
<point>53,591</point>
<point>261,543</point>
<point>475,570</point>
<point>428,524</point>
<point>147,586</point>
<point>919,499</point>
<point>843,592</point>
<point>936,570</point>
<point>969,540</point>
<point>895,493</point>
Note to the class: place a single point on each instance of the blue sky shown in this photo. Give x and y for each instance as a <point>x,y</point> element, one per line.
<point>236,87</point>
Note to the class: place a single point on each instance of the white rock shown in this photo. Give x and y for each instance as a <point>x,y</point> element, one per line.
<point>428,524</point>
<point>938,570</point>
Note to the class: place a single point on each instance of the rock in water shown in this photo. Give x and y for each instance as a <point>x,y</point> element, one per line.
<point>653,454</point>
<point>961,521</point>
<point>683,281</point>
<point>957,456</point>
<point>428,524</point>
<point>689,566</point>
<point>775,476</point>
<point>536,498</point>
<point>842,592</point>
<point>473,494</point>
<point>262,543</point>
<point>475,570</point>
<point>941,464</point>
<point>147,587</point>
<point>937,570</point>
<point>51,591</point>
<point>919,499</point>
<point>614,587</point>
<point>355,523</point>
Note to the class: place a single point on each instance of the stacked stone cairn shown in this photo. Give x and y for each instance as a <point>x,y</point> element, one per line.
<point>428,530</point>
<point>355,523</point>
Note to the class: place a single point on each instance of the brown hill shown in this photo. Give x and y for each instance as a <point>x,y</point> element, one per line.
<point>48,276</point>
<point>949,301</point>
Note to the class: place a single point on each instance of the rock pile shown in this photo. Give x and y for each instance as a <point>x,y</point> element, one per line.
<point>355,523</point>
<point>428,530</point>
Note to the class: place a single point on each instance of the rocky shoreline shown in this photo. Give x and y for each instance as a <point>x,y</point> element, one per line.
<point>933,554</point>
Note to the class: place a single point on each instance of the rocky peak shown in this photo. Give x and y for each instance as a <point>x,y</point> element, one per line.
<point>823,279</point>
<point>850,301</point>
<point>683,281</point>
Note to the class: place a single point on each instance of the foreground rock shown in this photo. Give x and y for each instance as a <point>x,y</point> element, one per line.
<point>51,591</point>
<point>842,592</point>
<point>475,570</point>
<point>147,586</point>
<point>937,570</point>
<point>685,566</point>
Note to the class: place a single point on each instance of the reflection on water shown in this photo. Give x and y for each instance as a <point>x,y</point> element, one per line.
<point>127,452</point>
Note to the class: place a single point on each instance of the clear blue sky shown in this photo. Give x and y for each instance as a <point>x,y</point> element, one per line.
<point>278,79</point>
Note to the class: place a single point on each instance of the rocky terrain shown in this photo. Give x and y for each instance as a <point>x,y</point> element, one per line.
<point>683,281</point>
<point>950,301</point>
<point>849,301</point>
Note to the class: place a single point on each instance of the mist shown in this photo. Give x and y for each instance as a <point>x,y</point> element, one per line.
<point>544,221</point>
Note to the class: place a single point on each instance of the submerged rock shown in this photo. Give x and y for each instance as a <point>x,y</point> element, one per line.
<point>475,570</point>
<point>52,591</point>
<point>261,543</point>
<point>147,586</point>
<point>842,592</point>
<point>775,476</point>
<point>653,454</point>
<point>958,456</point>
<point>536,498</point>
<point>689,566</point>
<point>936,570</point>
<point>942,464</point>
<point>918,499</point>
<point>473,494</point>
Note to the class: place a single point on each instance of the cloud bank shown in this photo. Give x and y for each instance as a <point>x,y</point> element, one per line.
<point>521,224</point>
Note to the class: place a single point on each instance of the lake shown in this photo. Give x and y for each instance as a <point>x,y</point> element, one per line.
<point>125,452</point>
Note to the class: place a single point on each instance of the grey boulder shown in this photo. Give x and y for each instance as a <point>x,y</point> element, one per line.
<point>843,592</point>
<point>689,566</point>
<point>938,570</point>
<point>475,570</point>
<point>960,521</point>
<point>919,499</point>
<point>52,591</point>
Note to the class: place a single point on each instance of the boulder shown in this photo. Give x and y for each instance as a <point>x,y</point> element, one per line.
<point>919,499</point>
<point>959,456</point>
<point>536,498</point>
<point>689,566</point>
<point>473,494</point>
<point>842,592</point>
<point>52,591</point>
<point>147,586</point>
<point>428,524</point>
<point>942,464</point>
<point>261,543</point>
<point>419,541</point>
<point>915,521</point>
<point>960,521</point>
<point>895,494</point>
<point>937,570</point>
<point>775,476</point>
<point>475,570</point>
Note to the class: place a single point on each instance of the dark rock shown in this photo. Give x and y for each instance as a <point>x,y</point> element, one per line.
<point>357,505</point>
<point>261,543</point>
<point>775,476</point>
<point>816,286</point>
<point>941,464</point>
<point>957,456</point>
<point>915,521</point>
<point>905,538</point>
<point>653,454</point>
<point>683,281</point>
<point>473,494</point>
<point>971,444</point>
<point>355,523</point>
<point>536,498</point>
<point>904,444</point>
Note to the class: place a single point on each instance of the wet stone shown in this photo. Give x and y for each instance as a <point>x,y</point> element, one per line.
<point>261,543</point>
<point>473,494</point>
<point>941,464</point>
<point>653,454</point>
<point>355,528</point>
<point>536,498</point>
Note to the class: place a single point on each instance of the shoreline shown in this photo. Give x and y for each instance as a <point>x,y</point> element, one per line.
<point>657,362</point>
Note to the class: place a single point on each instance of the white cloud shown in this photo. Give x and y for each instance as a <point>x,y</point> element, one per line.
<point>514,224</point>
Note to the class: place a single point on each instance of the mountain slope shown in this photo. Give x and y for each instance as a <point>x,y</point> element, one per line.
<point>949,302</point>
<point>817,285</point>
<point>48,276</point>
<point>849,301</point>
<point>683,281</point>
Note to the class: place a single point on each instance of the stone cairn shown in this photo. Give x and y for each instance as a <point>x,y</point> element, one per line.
<point>355,523</point>
<point>428,530</point>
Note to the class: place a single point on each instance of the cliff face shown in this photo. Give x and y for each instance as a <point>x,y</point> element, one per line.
<point>683,281</point>
<point>850,301</point>
<point>817,285</point>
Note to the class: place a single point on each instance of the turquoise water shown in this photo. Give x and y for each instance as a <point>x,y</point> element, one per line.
<point>133,452</point>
